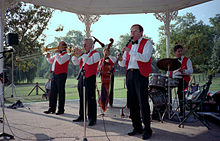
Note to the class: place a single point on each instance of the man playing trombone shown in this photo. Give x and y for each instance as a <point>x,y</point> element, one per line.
<point>91,59</point>
<point>60,62</point>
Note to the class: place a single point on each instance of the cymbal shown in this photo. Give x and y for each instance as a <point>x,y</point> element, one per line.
<point>170,64</point>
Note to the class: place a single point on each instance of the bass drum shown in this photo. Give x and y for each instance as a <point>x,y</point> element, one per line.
<point>157,101</point>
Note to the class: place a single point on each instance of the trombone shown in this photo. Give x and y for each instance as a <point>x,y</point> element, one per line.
<point>31,56</point>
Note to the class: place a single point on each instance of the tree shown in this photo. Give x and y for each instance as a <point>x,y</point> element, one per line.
<point>214,62</point>
<point>196,38</point>
<point>28,21</point>
<point>73,38</point>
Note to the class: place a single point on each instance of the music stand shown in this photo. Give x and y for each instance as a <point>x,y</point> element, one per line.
<point>168,64</point>
<point>3,134</point>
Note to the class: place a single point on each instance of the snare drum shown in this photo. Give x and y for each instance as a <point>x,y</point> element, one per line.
<point>173,82</point>
<point>156,80</point>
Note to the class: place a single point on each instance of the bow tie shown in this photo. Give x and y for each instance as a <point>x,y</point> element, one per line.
<point>134,42</point>
<point>179,59</point>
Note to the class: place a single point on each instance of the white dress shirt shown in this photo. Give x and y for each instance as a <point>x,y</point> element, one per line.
<point>135,56</point>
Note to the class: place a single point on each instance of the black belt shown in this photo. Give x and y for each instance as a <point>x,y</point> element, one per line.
<point>133,69</point>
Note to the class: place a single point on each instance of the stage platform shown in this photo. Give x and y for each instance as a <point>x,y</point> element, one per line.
<point>30,123</point>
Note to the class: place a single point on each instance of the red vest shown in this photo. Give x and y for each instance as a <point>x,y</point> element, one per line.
<point>183,65</point>
<point>89,69</point>
<point>144,67</point>
<point>61,68</point>
<point>110,62</point>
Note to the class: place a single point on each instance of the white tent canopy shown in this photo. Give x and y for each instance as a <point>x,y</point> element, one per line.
<point>106,7</point>
<point>168,8</point>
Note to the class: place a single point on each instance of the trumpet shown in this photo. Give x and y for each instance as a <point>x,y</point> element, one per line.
<point>74,51</point>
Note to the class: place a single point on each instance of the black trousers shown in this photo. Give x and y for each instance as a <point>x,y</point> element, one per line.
<point>57,87</point>
<point>111,94</point>
<point>137,86</point>
<point>181,86</point>
<point>90,86</point>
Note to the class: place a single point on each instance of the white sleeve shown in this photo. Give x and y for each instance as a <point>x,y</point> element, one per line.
<point>93,59</point>
<point>189,69</point>
<point>113,58</point>
<point>62,59</point>
<point>76,60</point>
<point>123,62</point>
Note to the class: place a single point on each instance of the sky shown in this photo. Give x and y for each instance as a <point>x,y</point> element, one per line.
<point>112,26</point>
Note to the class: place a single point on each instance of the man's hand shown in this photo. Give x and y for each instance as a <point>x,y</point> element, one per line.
<point>48,55</point>
<point>126,49</point>
<point>119,56</point>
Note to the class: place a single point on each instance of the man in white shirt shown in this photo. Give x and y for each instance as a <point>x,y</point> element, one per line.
<point>182,74</point>
<point>91,59</point>
<point>60,62</point>
<point>137,59</point>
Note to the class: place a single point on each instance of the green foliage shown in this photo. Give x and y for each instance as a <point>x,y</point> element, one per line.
<point>28,21</point>
<point>196,38</point>
<point>214,62</point>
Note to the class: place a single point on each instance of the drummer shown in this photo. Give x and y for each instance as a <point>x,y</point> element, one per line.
<point>182,74</point>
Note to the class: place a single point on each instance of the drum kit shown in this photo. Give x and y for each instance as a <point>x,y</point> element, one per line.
<point>159,88</point>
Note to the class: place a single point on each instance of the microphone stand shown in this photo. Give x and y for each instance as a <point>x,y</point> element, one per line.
<point>3,134</point>
<point>82,72</point>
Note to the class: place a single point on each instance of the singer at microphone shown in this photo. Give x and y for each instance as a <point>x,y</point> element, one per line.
<point>137,60</point>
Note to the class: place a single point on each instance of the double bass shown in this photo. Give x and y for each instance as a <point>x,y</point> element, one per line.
<point>106,77</point>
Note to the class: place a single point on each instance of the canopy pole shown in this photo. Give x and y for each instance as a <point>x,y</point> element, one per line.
<point>2,23</point>
<point>88,20</point>
<point>166,17</point>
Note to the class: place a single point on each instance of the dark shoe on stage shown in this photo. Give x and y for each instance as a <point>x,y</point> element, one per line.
<point>49,111</point>
<point>91,123</point>
<point>146,135</point>
<point>59,113</point>
<point>79,119</point>
<point>135,132</point>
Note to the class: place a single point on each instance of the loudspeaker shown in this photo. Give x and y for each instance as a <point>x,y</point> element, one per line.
<point>12,39</point>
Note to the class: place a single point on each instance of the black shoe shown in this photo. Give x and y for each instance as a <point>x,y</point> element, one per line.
<point>135,132</point>
<point>49,111</point>
<point>146,135</point>
<point>59,113</point>
<point>79,119</point>
<point>91,123</point>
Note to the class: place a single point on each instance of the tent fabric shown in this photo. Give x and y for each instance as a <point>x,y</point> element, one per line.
<point>106,7</point>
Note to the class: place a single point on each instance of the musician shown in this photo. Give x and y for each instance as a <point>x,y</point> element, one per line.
<point>109,61</point>
<point>182,74</point>
<point>92,58</point>
<point>60,62</point>
<point>137,59</point>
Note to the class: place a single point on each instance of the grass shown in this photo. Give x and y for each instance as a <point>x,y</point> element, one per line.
<point>23,89</point>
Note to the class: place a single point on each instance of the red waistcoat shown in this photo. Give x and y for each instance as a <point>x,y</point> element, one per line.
<point>61,68</point>
<point>144,67</point>
<point>183,65</point>
<point>89,69</point>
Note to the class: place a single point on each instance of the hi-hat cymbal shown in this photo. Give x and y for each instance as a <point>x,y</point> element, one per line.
<point>170,64</point>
